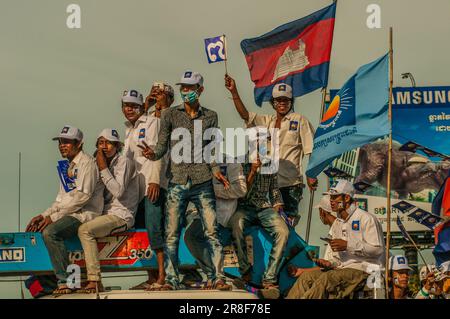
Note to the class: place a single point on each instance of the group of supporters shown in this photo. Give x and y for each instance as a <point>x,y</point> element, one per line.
<point>139,179</point>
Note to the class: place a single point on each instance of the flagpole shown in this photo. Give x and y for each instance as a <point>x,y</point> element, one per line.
<point>388,186</point>
<point>226,54</point>
<point>312,192</point>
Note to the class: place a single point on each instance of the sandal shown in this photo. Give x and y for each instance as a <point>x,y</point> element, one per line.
<point>63,290</point>
<point>89,289</point>
<point>221,285</point>
<point>158,287</point>
<point>154,287</point>
<point>143,286</point>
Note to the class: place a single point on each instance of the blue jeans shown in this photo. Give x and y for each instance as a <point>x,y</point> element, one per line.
<point>54,236</point>
<point>197,243</point>
<point>204,200</point>
<point>271,221</point>
<point>154,220</point>
<point>292,196</point>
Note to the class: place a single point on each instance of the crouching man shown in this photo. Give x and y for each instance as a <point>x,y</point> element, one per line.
<point>357,246</point>
<point>77,202</point>
<point>121,197</point>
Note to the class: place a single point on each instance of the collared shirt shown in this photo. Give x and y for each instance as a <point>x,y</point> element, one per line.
<point>85,202</point>
<point>335,233</point>
<point>365,242</point>
<point>264,191</point>
<point>193,165</point>
<point>295,137</point>
<point>145,129</point>
<point>121,189</point>
<point>226,199</point>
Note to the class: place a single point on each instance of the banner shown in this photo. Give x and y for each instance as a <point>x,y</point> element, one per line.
<point>419,115</point>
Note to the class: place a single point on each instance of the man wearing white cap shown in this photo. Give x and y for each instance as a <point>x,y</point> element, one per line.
<point>435,283</point>
<point>295,134</point>
<point>399,278</point>
<point>78,202</point>
<point>121,196</point>
<point>359,244</point>
<point>142,131</point>
<point>191,175</point>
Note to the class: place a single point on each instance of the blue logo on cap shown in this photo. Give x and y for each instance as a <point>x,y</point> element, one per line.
<point>401,260</point>
<point>65,130</point>
<point>282,88</point>
<point>355,225</point>
<point>293,125</point>
<point>114,133</point>
<point>133,93</point>
<point>187,74</point>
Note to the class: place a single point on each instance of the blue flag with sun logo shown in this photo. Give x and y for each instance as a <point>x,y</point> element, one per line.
<point>357,116</point>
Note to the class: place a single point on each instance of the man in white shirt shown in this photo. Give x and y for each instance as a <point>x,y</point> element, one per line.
<point>357,245</point>
<point>119,176</point>
<point>296,136</point>
<point>226,204</point>
<point>75,204</point>
<point>141,131</point>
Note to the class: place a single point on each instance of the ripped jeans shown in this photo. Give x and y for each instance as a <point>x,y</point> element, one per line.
<point>204,200</point>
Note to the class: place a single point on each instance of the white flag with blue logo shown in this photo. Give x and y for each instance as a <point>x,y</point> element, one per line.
<point>357,116</point>
<point>215,49</point>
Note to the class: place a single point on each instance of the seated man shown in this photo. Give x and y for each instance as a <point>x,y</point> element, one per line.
<point>436,284</point>
<point>399,277</point>
<point>75,204</point>
<point>327,218</point>
<point>118,174</point>
<point>262,206</point>
<point>226,204</point>
<point>357,245</point>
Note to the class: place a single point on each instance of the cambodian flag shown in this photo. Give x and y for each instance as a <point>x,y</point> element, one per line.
<point>441,207</point>
<point>296,53</point>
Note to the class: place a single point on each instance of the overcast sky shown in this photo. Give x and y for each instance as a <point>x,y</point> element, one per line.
<point>52,75</point>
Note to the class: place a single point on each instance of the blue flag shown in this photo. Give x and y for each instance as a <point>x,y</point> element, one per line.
<point>357,116</point>
<point>215,49</point>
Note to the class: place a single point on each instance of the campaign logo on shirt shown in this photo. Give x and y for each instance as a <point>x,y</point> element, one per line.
<point>355,225</point>
<point>75,173</point>
<point>142,133</point>
<point>223,170</point>
<point>293,125</point>
<point>401,260</point>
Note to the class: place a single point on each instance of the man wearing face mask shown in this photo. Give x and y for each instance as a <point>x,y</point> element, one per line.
<point>75,204</point>
<point>191,176</point>
<point>121,196</point>
<point>296,136</point>
<point>357,242</point>
<point>141,132</point>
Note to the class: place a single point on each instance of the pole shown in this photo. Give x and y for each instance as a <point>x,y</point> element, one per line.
<point>312,192</point>
<point>388,186</point>
<point>18,221</point>
<point>226,54</point>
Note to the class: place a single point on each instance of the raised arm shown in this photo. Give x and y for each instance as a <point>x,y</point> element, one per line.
<point>230,84</point>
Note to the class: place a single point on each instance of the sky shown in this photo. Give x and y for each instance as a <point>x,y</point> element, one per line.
<point>52,75</point>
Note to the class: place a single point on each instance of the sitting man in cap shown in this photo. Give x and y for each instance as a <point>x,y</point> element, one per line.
<point>77,202</point>
<point>399,277</point>
<point>191,175</point>
<point>262,206</point>
<point>226,204</point>
<point>296,136</point>
<point>358,243</point>
<point>141,131</point>
<point>121,197</point>
<point>304,281</point>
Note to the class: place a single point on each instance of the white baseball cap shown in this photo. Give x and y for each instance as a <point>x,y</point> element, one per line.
<point>342,187</point>
<point>191,78</point>
<point>282,89</point>
<point>69,132</point>
<point>399,262</point>
<point>132,96</point>
<point>168,89</point>
<point>325,204</point>
<point>424,271</point>
<point>110,134</point>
